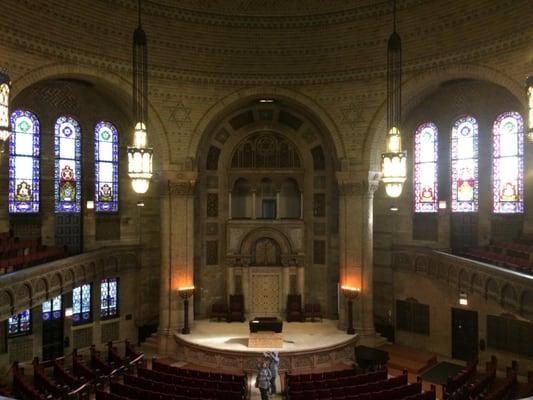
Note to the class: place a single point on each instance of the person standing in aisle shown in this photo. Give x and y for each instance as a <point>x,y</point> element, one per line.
<point>262,381</point>
<point>273,366</point>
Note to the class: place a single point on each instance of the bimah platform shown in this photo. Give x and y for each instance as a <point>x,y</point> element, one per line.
<point>265,332</point>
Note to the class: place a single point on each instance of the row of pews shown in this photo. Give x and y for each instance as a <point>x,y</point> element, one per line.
<point>469,384</point>
<point>16,254</point>
<point>348,385</point>
<point>165,382</point>
<point>53,380</point>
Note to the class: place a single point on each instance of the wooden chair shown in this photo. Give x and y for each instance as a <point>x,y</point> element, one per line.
<point>294,308</point>
<point>236,308</point>
<point>219,311</point>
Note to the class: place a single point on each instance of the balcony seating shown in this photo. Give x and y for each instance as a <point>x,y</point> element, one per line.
<point>294,308</point>
<point>219,311</point>
<point>312,311</point>
<point>505,255</point>
<point>236,308</point>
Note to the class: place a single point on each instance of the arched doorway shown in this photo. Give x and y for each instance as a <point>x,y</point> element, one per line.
<point>266,171</point>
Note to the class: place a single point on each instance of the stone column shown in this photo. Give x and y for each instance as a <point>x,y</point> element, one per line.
<point>356,194</point>
<point>177,250</point>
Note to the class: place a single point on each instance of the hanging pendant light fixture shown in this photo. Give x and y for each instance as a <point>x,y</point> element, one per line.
<point>140,155</point>
<point>5,88</point>
<point>529,93</point>
<point>394,160</point>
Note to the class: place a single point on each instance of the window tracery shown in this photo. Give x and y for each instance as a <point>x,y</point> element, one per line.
<point>265,150</point>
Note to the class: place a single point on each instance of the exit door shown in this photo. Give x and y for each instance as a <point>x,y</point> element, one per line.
<point>464,334</point>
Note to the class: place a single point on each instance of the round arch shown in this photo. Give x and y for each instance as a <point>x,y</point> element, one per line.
<point>417,88</point>
<point>111,84</point>
<point>242,98</point>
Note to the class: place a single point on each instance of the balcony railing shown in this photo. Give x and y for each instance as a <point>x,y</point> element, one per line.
<point>27,288</point>
<point>513,290</point>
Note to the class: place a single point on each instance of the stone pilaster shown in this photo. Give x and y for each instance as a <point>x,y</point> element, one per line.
<point>177,250</point>
<point>356,195</point>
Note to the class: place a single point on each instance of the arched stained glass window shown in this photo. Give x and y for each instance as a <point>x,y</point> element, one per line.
<point>52,309</point>
<point>109,298</point>
<point>106,164</point>
<point>67,178</point>
<point>81,304</point>
<point>24,163</point>
<point>426,168</point>
<point>464,152</point>
<point>508,163</point>
<point>19,324</point>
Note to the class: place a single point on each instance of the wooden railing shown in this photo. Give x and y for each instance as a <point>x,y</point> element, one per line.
<point>29,287</point>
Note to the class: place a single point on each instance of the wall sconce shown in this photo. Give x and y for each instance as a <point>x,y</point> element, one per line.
<point>351,294</point>
<point>90,205</point>
<point>68,312</point>
<point>393,208</point>
<point>463,299</point>
<point>185,293</point>
<point>443,205</point>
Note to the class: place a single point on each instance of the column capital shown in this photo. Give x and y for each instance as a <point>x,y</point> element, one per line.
<point>358,183</point>
<point>179,183</point>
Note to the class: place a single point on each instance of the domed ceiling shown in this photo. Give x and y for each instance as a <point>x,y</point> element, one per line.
<point>275,41</point>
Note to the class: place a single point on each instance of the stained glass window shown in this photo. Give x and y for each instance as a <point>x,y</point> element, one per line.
<point>508,163</point>
<point>106,164</point>
<point>19,324</point>
<point>464,152</point>
<point>24,163</point>
<point>426,168</point>
<point>52,309</point>
<point>109,298</point>
<point>81,304</point>
<point>67,178</point>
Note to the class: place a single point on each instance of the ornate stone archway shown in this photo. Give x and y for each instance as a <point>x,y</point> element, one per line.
<point>265,265</point>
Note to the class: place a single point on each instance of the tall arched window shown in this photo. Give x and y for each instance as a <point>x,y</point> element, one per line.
<point>426,168</point>
<point>67,146</point>
<point>106,165</point>
<point>24,163</point>
<point>508,163</point>
<point>464,152</point>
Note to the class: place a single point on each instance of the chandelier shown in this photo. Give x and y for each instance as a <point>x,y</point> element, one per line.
<point>394,160</point>
<point>529,91</point>
<point>5,130</point>
<point>140,155</point>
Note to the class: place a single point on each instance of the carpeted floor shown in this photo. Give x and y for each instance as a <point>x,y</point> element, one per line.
<point>440,372</point>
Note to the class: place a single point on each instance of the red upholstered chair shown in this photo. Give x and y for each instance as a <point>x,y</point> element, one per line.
<point>294,308</point>
<point>236,308</point>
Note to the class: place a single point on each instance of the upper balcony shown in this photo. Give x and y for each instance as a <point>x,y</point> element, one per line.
<point>29,287</point>
<point>512,289</point>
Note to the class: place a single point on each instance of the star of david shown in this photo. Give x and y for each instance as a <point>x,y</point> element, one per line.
<point>180,114</point>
